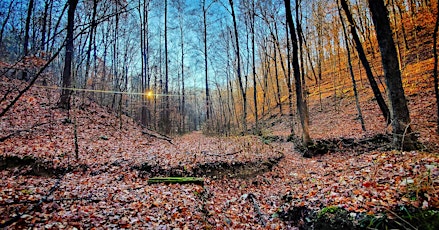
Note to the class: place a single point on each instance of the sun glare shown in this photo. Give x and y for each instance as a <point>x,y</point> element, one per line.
<point>149,94</point>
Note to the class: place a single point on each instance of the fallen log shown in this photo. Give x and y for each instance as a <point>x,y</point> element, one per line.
<point>174,180</point>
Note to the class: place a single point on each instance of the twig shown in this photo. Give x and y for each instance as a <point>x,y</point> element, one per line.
<point>260,216</point>
<point>220,155</point>
<point>406,222</point>
<point>161,136</point>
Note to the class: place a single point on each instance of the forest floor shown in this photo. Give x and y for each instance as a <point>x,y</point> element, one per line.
<point>250,182</point>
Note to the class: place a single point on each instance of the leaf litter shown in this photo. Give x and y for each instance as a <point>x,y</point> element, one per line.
<point>106,188</point>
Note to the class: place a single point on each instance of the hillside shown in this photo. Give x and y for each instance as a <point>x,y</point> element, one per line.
<point>250,182</point>
<point>332,108</point>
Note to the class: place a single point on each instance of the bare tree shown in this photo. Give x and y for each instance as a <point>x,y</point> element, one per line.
<point>205,9</point>
<point>66,77</point>
<point>180,7</point>
<point>91,40</point>
<point>252,28</point>
<point>403,138</point>
<point>26,33</point>
<point>366,65</point>
<point>238,70</point>
<point>351,72</point>
<point>165,116</point>
<point>301,105</point>
<point>47,5</point>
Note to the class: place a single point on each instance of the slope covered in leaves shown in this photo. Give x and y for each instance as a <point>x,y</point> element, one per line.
<point>51,187</point>
<point>107,185</point>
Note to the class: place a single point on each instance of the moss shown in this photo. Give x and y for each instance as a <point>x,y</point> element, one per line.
<point>330,209</point>
<point>333,217</point>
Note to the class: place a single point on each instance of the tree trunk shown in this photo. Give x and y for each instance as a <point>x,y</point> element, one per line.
<point>166,112</point>
<point>67,72</point>
<point>366,65</point>
<point>183,112</point>
<point>435,77</point>
<point>143,88</point>
<point>205,60</point>
<point>44,25</point>
<point>403,138</point>
<point>299,41</point>
<point>252,24</point>
<point>354,84</point>
<point>238,70</point>
<point>91,38</point>
<point>290,88</point>
<point>26,34</point>
<point>301,105</point>
<point>276,77</point>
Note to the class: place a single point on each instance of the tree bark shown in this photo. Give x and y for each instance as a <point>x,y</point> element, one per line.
<point>403,138</point>
<point>26,34</point>
<point>301,105</point>
<point>435,77</point>
<point>67,72</point>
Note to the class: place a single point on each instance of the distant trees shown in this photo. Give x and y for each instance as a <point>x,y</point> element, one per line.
<point>145,75</point>
<point>231,63</point>
<point>7,13</point>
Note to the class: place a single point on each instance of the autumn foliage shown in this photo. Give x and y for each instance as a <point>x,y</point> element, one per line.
<point>88,167</point>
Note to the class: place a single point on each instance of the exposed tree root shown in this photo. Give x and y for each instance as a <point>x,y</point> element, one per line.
<point>382,142</point>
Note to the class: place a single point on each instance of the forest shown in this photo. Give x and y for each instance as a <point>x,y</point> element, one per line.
<point>219,114</point>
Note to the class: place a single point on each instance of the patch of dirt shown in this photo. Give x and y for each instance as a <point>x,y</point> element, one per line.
<point>214,170</point>
<point>33,166</point>
<point>14,161</point>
